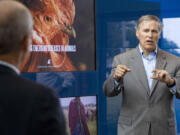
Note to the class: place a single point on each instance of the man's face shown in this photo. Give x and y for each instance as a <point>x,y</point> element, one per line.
<point>148,34</point>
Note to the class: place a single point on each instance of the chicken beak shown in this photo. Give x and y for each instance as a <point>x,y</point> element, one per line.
<point>69,30</point>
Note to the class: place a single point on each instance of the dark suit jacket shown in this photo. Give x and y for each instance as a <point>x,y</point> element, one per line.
<point>28,108</point>
<point>141,109</point>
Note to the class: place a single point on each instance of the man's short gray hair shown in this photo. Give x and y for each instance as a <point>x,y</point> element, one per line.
<point>13,28</point>
<point>149,18</point>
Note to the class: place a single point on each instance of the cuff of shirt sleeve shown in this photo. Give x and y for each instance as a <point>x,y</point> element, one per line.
<point>117,86</point>
<point>116,83</point>
<point>172,88</point>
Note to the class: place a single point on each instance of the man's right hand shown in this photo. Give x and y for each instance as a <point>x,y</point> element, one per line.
<point>120,72</point>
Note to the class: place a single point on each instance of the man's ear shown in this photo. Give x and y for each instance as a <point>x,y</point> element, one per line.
<point>27,42</point>
<point>159,36</point>
<point>24,50</point>
<point>137,34</point>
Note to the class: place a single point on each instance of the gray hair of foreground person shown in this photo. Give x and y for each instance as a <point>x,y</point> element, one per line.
<point>15,24</point>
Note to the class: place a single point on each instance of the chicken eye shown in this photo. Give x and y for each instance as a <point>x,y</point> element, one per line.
<point>47,18</point>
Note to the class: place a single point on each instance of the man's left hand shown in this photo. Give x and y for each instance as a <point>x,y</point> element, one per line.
<point>163,76</point>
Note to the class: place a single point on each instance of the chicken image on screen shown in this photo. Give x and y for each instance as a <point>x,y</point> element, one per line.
<point>53,20</point>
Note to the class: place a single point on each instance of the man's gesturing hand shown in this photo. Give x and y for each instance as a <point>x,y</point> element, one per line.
<point>163,76</point>
<point>120,71</point>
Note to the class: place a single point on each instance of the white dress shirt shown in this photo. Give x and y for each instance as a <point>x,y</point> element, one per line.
<point>149,65</point>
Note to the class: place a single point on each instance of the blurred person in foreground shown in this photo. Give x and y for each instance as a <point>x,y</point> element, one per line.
<point>26,108</point>
<point>148,79</point>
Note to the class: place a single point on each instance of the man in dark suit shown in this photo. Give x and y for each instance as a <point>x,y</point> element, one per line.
<point>148,78</point>
<point>26,108</point>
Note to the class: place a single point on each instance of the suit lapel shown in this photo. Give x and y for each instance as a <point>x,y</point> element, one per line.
<point>160,64</point>
<point>139,71</point>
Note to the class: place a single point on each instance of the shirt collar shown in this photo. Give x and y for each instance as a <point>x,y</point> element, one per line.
<point>10,66</point>
<point>152,53</point>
